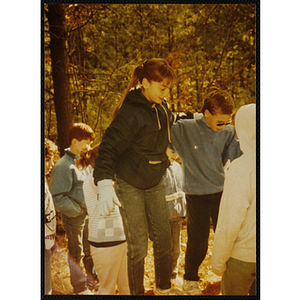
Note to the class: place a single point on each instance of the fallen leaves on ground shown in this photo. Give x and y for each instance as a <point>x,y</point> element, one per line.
<point>209,282</point>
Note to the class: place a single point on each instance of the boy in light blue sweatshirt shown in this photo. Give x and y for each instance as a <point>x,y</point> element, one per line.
<point>66,189</point>
<point>204,144</point>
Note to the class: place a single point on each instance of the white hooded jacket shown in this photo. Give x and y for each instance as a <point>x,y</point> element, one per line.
<point>236,229</point>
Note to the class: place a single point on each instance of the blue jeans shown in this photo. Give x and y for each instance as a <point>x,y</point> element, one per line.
<point>143,212</point>
<point>200,208</point>
<point>74,229</point>
<point>176,237</point>
<point>239,278</point>
<point>87,259</point>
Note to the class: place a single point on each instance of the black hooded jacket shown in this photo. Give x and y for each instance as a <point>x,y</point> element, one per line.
<point>134,145</point>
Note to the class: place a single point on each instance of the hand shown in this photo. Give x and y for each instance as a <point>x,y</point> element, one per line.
<point>107,196</point>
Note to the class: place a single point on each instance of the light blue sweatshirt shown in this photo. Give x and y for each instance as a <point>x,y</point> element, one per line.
<point>66,186</point>
<point>204,153</point>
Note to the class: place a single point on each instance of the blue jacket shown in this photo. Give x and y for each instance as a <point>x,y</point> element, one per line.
<point>204,153</point>
<point>66,186</point>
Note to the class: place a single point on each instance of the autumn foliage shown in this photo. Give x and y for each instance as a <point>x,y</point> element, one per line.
<point>206,44</point>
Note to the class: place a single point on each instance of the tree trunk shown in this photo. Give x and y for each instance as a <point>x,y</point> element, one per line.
<point>60,73</point>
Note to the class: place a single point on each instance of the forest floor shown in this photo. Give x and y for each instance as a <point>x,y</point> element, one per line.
<point>209,282</point>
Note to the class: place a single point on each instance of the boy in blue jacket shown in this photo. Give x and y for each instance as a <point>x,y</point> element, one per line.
<point>66,189</point>
<point>204,144</point>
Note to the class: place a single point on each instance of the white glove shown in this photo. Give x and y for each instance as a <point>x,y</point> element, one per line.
<point>107,196</point>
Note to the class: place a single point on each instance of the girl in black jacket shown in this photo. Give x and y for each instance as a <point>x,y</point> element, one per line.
<point>133,153</point>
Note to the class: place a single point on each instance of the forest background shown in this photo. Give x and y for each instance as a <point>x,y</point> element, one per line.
<point>90,51</point>
<point>279,81</point>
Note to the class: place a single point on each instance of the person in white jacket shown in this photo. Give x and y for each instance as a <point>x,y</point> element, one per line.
<point>234,249</point>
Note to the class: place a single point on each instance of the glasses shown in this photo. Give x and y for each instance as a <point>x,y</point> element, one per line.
<point>223,124</point>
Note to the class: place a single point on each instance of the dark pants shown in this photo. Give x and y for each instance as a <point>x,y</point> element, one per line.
<point>87,259</point>
<point>79,250</point>
<point>200,208</point>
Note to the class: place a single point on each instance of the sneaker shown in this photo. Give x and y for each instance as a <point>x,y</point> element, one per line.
<point>85,292</point>
<point>93,285</point>
<point>177,281</point>
<point>171,291</point>
<point>191,287</point>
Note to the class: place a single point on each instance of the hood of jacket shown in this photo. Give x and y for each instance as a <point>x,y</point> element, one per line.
<point>135,96</point>
<point>245,125</point>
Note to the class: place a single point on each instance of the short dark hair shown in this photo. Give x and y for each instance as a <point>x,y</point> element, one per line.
<point>81,131</point>
<point>218,101</point>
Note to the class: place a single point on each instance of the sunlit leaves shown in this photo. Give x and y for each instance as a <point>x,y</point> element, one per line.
<point>106,41</point>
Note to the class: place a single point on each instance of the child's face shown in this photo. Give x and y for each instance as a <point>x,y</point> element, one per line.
<point>218,121</point>
<point>79,145</point>
<point>155,91</point>
<point>172,155</point>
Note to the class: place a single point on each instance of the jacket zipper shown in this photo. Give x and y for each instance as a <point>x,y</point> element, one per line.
<point>158,121</point>
<point>159,126</point>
